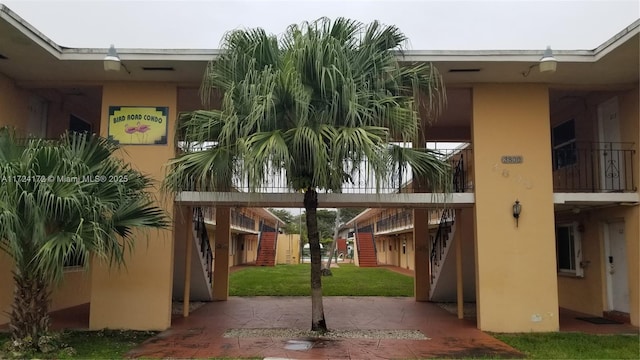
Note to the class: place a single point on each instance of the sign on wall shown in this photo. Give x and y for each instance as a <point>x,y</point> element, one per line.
<point>138,125</point>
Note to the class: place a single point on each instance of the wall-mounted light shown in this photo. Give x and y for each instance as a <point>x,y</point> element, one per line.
<point>112,61</point>
<point>517,208</point>
<point>547,63</point>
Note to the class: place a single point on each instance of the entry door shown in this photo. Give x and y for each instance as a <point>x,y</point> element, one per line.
<point>611,158</point>
<point>617,272</point>
<point>37,126</point>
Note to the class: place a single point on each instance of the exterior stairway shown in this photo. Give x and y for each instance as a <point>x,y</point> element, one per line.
<point>443,270</point>
<point>267,248</point>
<point>201,262</point>
<point>366,250</point>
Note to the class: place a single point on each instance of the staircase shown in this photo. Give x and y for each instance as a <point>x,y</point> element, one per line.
<point>366,250</point>
<point>201,262</point>
<point>267,248</point>
<point>442,268</point>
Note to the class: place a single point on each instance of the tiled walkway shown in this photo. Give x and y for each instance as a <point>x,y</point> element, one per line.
<point>201,334</point>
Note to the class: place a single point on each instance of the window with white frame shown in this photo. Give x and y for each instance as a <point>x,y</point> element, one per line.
<point>563,137</point>
<point>568,249</point>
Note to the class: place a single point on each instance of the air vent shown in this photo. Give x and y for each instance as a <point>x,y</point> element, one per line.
<point>2,57</point>
<point>158,68</point>
<point>463,70</point>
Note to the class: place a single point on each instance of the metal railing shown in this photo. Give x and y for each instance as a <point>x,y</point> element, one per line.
<point>595,167</point>
<point>240,220</point>
<point>397,220</point>
<point>439,244</point>
<point>203,238</point>
<point>363,180</point>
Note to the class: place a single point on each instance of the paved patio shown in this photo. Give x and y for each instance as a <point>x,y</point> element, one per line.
<point>201,334</point>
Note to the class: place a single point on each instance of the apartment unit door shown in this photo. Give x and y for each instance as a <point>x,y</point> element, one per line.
<point>616,267</point>
<point>37,125</point>
<point>611,158</point>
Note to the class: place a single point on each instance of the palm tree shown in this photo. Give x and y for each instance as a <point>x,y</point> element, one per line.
<point>314,104</point>
<point>62,201</point>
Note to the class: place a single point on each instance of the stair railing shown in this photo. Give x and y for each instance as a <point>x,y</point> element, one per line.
<point>439,244</point>
<point>260,229</point>
<point>203,238</point>
<point>459,175</point>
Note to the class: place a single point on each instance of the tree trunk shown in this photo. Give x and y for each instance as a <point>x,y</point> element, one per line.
<point>317,311</point>
<point>29,311</point>
<point>336,226</point>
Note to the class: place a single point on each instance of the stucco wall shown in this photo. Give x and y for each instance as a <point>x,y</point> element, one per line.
<point>139,296</point>
<point>76,285</point>
<point>14,105</point>
<point>516,270</point>
<point>288,249</point>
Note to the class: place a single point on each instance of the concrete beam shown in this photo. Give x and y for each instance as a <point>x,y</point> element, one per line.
<point>404,200</point>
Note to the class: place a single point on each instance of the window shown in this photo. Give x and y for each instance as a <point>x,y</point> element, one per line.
<point>564,144</point>
<point>568,249</point>
<point>75,259</point>
<point>78,125</point>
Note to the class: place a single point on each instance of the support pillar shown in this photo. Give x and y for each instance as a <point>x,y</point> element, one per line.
<point>221,254</point>
<point>516,274</point>
<point>187,264</point>
<point>422,278</point>
<point>459,275</point>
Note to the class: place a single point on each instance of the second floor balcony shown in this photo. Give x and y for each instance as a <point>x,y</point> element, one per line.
<point>593,167</point>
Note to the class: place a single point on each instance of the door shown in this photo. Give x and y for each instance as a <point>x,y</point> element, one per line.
<point>37,126</point>
<point>616,267</point>
<point>611,158</point>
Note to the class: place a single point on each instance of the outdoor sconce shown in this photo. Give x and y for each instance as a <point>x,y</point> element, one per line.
<point>112,61</point>
<point>547,63</point>
<point>517,208</point>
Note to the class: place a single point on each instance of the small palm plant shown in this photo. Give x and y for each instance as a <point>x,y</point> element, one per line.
<point>313,104</point>
<point>62,201</point>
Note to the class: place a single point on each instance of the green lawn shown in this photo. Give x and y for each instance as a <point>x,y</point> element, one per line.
<point>574,345</point>
<point>105,344</point>
<point>294,280</point>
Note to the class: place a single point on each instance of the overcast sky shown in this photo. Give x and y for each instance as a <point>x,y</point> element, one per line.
<point>429,24</point>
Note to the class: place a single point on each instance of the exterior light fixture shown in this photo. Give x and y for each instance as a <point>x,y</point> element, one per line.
<point>547,63</point>
<point>112,61</point>
<point>517,208</point>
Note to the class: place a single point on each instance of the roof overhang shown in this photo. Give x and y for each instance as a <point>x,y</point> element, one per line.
<point>34,60</point>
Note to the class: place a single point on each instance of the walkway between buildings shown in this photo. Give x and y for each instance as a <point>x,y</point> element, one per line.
<point>202,334</point>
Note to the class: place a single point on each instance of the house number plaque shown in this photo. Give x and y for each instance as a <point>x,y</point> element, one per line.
<point>512,159</point>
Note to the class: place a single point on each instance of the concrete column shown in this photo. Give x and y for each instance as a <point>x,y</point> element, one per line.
<point>422,278</point>
<point>187,266</point>
<point>221,262</point>
<point>459,275</point>
<point>516,265</point>
<point>139,297</point>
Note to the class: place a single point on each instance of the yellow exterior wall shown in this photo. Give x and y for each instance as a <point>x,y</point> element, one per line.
<point>139,296</point>
<point>288,249</point>
<point>516,266</point>
<point>585,294</point>
<point>630,131</point>
<point>14,110</point>
<point>6,284</point>
<point>14,105</point>
<point>75,289</point>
